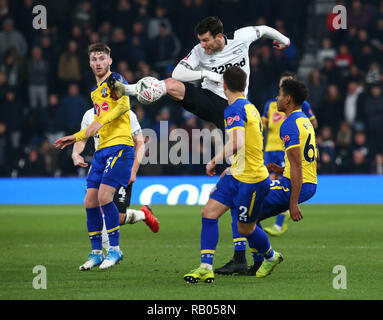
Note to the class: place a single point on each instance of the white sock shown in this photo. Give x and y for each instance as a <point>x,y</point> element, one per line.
<point>105,238</point>
<point>130,90</point>
<point>279,228</point>
<point>163,85</point>
<point>271,259</point>
<point>133,216</point>
<point>206,266</point>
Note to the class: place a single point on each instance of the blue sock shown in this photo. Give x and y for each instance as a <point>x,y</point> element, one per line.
<point>238,239</point>
<point>259,242</point>
<point>209,239</point>
<point>280,219</point>
<point>112,222</point>
<point>94,223</point>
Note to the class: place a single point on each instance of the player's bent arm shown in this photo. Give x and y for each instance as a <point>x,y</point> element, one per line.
<point>184,73</point>
<point>273,34</point>
<point>78,148</point>
<point>295,159</point>
<point>235,142</point>
<point>122,107</point>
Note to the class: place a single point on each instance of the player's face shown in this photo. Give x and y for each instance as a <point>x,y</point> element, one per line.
<point>209,43</point>
<point>100,63</point>
<point>281,101</point>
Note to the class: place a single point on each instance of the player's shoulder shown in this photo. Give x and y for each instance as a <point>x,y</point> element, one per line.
<point>290,124</point>
<point>119,77</point>
<point>245,33</point>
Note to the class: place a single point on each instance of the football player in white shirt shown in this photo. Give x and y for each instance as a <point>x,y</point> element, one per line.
<point>123,195</point>
<point>207,61</point>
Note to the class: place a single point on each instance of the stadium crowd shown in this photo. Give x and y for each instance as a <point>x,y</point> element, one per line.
<point>45,77</point>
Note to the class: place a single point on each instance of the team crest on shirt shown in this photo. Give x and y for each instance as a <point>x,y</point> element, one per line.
<point>104,92</point>
<point>230,120</point>
<point>285,138</point>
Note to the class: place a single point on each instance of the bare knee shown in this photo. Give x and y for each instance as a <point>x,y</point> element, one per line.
<point>91,200</point>
<point>175,88</point>
<point>246,229</point>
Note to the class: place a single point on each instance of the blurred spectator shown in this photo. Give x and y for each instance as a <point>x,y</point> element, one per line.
<point>377,165</point>
<point>374,74</point>
<point>83,14</point>
<point>14,69</point>
<point>373,116</point>
<point>330,72</point>
<point>331,109</point>
<point>105,32</point>
<point>326,148</point>
<point>343,142</point>
<point>165,48</point>
<point>142,119</point>
<point>326,51</point>
<point>317,86</point>
<point>69,69</point>
<point>358,163</point>
<point>53,117</point>
<point>74,105</point>
<point>3,150</point>
<point>38,72</point>
<point>351,102</point>
<point>32,164</point>
<point>357,15</point>
<point>10,37</point>
<point>123,15</point>
<point>344,59</point>
<point>157,21</point>
<point>144,70</point>
<point>139,44</point>
<point>119,45</point>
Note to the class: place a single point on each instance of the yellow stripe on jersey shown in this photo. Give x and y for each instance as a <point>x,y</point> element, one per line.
<point>115,158</point>
<point>252,203</point>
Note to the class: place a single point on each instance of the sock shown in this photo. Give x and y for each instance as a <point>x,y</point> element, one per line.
<point>105,238</point>
<point>259,243</point>
<point>130,90</point>
<point>94,224</point>
<point>209,239</point>
<point>163,85</point>
<point>112,218</point>
<point>239,241</point>
<point>133,216</point>
<point>279,221</point>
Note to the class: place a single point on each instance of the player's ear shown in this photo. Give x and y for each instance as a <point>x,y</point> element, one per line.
<point>110,61</point>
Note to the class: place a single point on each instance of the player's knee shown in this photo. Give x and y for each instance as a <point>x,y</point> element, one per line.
<point>90,202</point>
<point>245,229</point>
<point>175,88</point>
<point>208,213</point>
<point>104,198</point>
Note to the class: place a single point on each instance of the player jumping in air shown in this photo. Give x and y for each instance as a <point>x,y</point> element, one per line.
<point>123,194</point>
<point>112,162</point>
<point>243,189</point>
<point>207,61</point>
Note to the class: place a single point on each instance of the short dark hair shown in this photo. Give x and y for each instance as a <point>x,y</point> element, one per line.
<point>288,74</point>
<point>98,47</point>
<point>212,24</point>
<point>296,90</point>
<point>235,79</point>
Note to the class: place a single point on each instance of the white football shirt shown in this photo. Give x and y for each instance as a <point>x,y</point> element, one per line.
<point>235,53</point>
<point>88,118</point>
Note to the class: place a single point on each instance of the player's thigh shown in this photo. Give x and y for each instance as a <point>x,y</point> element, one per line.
<point>175,88</point>
<point>214,209</point>
<point>122,198</point>
<point>224,190</point>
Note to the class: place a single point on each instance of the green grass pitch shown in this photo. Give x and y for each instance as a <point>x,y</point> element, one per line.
<point>154,264</point>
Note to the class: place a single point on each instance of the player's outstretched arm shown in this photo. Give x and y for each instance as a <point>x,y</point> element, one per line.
<point>64,141</point>
<point>184,73</point>
<point>295,159</point>
<point>280,41</point>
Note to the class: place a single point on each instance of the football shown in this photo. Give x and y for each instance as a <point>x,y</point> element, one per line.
<point>149,90</point>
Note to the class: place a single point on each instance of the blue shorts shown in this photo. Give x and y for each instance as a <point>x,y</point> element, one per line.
<point>111,166</point>
<point>244,199</point>
<point>278,199</point>
<point>277,157</point>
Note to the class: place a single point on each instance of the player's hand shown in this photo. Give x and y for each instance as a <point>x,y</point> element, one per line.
<point>64,141</point>
<point>79,160</point>
<point>295,212</point>
<point>212,76</point>
<point>273,167</point>
<point>280,46</point>
<point>210,169</point>
<point>92,129</point>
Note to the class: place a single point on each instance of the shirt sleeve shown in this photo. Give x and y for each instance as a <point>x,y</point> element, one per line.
<point>289,134</point>
<point>248,34</point>
<point>192,59</point>
<point>134,124</point>
<point>235,118</point>
<point>306,109</point>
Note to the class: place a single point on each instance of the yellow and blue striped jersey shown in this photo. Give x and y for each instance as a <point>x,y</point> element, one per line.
<point>275,119</point>
<point>297,131</point>
<point>248,165</point>
<point>112,114</point>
